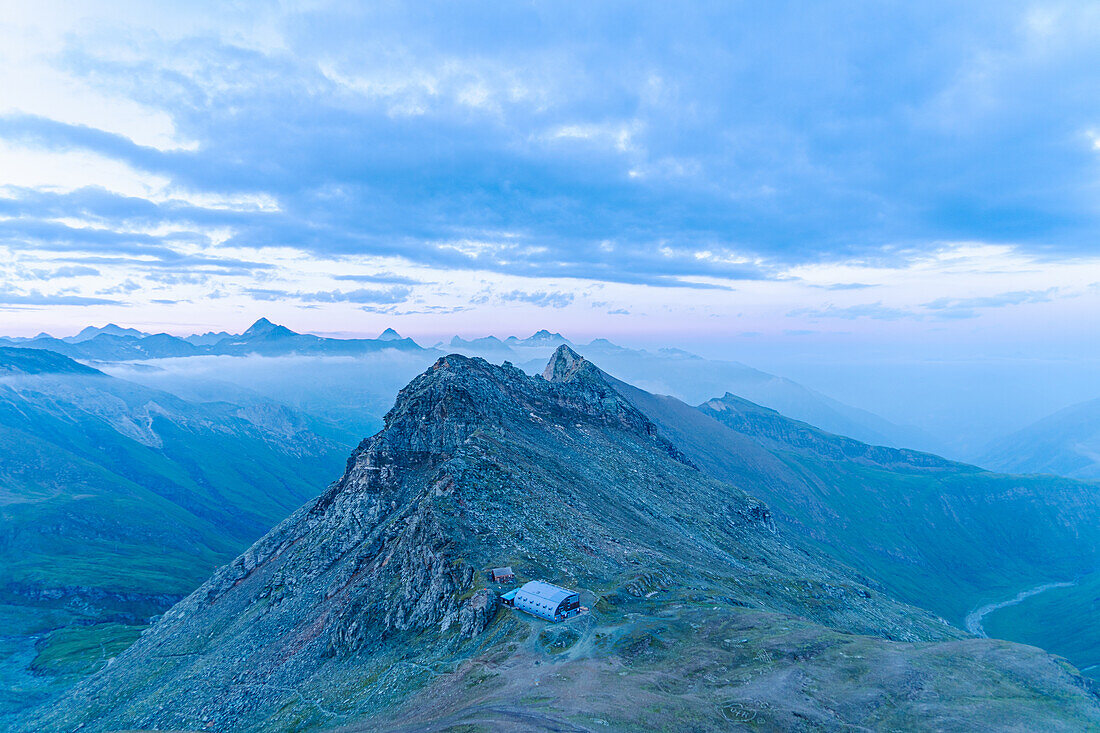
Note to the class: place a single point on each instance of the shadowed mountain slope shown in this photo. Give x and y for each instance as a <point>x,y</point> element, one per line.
<point>112,493</point>
<point>368,606</point>
<point>31,361</point>
<point>1066,443</point>
<point>944,535</point>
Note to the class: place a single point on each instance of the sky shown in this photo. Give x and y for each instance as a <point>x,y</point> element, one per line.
<point>787,181</point>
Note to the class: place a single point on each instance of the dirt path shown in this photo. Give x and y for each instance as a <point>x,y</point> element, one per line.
<point>974,618</point>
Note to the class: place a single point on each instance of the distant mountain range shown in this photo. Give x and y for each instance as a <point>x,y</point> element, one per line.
<point>1066,443</point>
<point>713,548</point>
<point>113,343</point>
<point>694,379</point>
<point>666,371</point>
<point>89,333</point>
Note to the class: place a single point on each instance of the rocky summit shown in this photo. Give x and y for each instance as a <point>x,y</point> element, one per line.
<point>370,608</point>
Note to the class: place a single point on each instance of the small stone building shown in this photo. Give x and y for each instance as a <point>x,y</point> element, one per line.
<point>502,575</point>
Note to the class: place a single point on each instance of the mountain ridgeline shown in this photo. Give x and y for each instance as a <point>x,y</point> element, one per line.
<point>263,338</point>
<point>369,606</point>
<point>669,371</point>
<point>1066,443</point>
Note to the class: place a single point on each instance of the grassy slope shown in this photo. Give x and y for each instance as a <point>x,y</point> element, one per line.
<point>84,505</point>
<point>70,522</point>
<point>667,664</point>
<point>1061,620</point>
<point>949,542</point>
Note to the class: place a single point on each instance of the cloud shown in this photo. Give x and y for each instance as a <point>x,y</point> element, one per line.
<point>65,271</point>
<point>542,299</point>
<point>1000,300</point>
<point>37,298</point>
<point>969,307</point>
<point>846,286</point>
<point>381,277</point>
<point>94,245</point>
<point>126,287</point>
<point>436,310</point>
<point>875,311</point>
<point>178,278</point>
<point>167,259</point>
<point>396,294</point>
<point>940,308</point>
<point>674,153</point>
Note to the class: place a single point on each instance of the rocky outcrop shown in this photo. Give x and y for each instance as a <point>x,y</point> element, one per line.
<point>590,390</point>
<point>478,612</point>
<point>563,365</point>
<point>101,603</point>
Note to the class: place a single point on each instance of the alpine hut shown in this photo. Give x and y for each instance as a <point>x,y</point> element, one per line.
<point>502,575</point>
<point>547,601</point>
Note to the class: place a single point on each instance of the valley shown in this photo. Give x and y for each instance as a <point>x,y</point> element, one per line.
<point>973,622</point>
<point>116,500</point>
<point>1059,619</point>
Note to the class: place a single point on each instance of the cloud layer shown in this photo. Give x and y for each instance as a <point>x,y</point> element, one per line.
<point>214,151</point>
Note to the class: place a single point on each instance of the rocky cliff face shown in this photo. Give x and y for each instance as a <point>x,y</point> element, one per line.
<point>374,595</point>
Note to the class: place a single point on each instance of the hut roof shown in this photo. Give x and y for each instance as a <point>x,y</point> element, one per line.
<point>551,594</point>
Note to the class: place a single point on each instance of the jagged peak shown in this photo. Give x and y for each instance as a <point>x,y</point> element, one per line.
<point>111,329</point>
<point>261,324</point>
<point>542,335</point>
<point>472,389</point>
<point>449,369</point>
<point>482,341</point>
<point>460,395</point>
<point>729,399</point>
<point>563,365</point>
<point>264,327</point>
<point>389,335</point>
